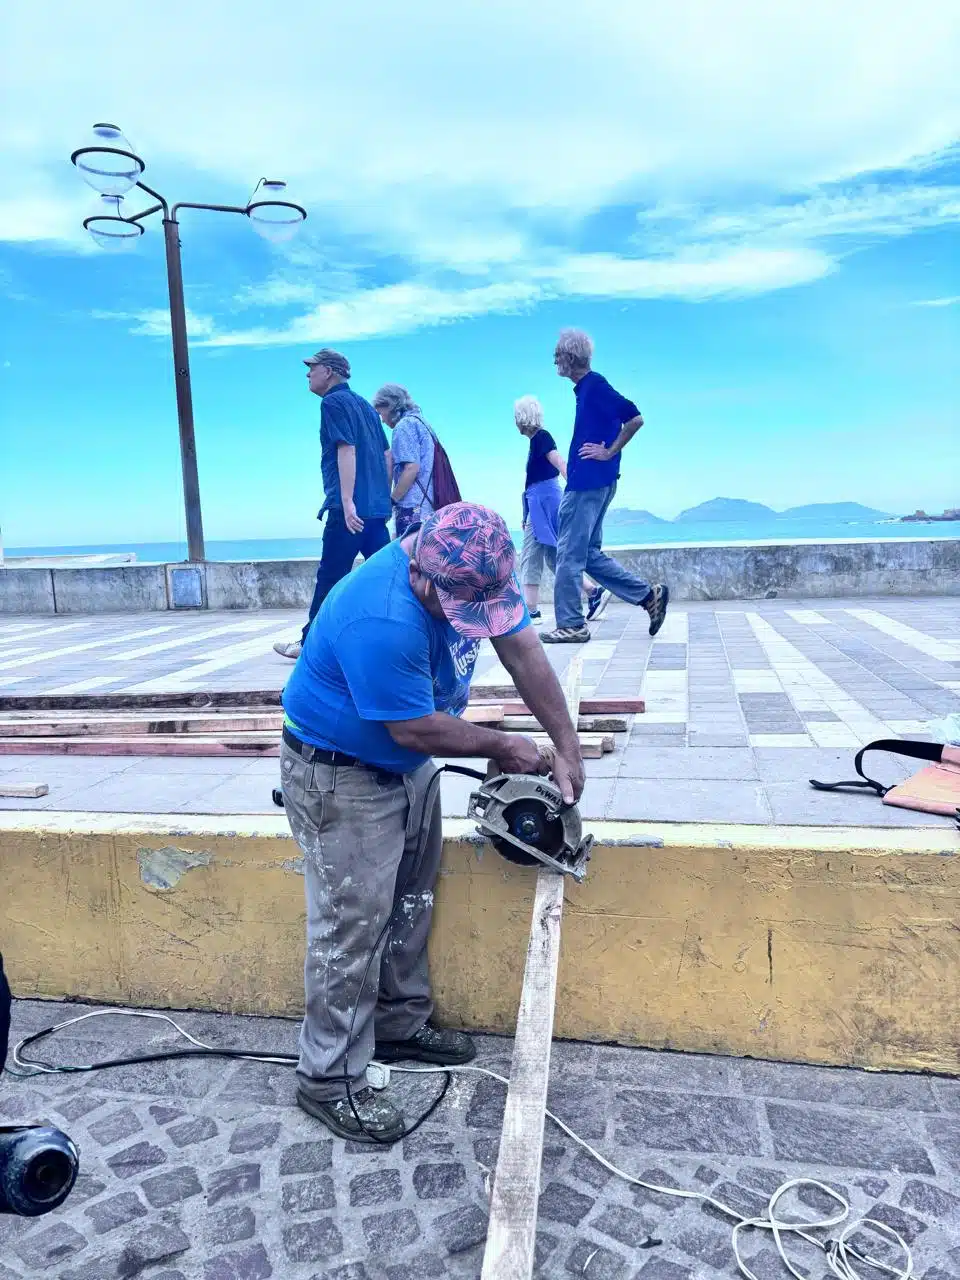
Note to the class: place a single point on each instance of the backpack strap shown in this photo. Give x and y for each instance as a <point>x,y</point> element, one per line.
<point>425,490</point>
<point>917,750</point>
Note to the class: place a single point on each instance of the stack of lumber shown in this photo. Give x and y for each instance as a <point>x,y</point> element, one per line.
<point>245,723</point>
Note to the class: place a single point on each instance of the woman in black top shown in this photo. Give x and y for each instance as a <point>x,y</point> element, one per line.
<point>541,500</point>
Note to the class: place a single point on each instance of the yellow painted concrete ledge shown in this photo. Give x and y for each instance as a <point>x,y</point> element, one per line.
<point>829,945</point>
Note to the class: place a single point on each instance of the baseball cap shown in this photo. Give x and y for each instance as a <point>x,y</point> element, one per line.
<point>467,553</point>
<point>332,359</point>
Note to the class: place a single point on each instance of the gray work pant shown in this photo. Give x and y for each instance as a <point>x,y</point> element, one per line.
<point>358,830</point>
<point>579,548</point>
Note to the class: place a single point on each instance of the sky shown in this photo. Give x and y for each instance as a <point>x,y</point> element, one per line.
<point>752,208</point>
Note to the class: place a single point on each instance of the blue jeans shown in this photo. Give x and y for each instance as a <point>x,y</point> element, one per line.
<point>340,549</point>
<point>579,548</point>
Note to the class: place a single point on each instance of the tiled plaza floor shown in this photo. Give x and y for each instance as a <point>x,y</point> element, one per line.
<point>206,1170</point>
<point>745,702</point>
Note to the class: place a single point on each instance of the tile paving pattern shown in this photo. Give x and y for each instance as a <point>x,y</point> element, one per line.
<point>206,1170</point>
<point>745,702</point>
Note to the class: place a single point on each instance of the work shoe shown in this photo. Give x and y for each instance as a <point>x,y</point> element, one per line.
<point>430,1044</point>
<point>656,605</point>
<point>567,635</point>
<point>597,601</point>
<point>381,1120</point>
<point>288,648</point>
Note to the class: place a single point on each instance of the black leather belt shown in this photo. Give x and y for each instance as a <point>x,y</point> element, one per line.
<point>336,759</point>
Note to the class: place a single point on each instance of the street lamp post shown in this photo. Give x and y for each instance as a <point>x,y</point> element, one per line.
<point>111,167</point>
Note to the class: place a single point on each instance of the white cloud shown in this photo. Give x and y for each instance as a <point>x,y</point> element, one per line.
<point>467,145</point>
<point>491,104</point>
<point>939,302</point>
<point>872,209</point>
<point>401,308</point>
<point>154,322</point>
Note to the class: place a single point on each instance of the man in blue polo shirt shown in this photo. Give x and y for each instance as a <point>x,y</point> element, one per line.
<point>605,423</point>
<point>378,690</point>
<point>355,466</point>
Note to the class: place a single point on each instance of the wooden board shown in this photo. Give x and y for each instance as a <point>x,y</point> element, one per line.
<point>486,713</point>
<point>137,701</point>
<point>588,706</point>
<point>512,1230</point>
<point>480,692</point>
<point>586,724</point>
<point>121,724</point>
<point>7,789</point>
<point>148,746</point>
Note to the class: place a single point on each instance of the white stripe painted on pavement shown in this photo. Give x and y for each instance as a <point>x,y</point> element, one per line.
<point>49,654</point>
<point>41,629</point>
<point>186,678</point>
<point>192,638</point>
<point>667,692</point>
<point>945,650</point>
<point>758,680</point>
<point>18,649</point>
<point>809,617</point>
<point>82,686</point>
<point>804,682</point>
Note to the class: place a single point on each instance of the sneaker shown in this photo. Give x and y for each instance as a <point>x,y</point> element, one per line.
<point>597,601</point>
<point>381,1120</point>
<point>656,606</point>
<point>430,1044</point>
<point>536,617</point>
<point>567,635</point>
<point>288,648</point>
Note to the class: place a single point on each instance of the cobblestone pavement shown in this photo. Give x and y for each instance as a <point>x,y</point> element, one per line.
<point>745,702</point>
<point>207,1170</point>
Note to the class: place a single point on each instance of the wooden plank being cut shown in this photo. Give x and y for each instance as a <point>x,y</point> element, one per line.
<point>200,698</point>
<point>7,789</point>
<point>512,1230</point>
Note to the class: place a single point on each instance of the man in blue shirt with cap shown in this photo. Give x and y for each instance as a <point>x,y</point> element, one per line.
<point>355,465</point>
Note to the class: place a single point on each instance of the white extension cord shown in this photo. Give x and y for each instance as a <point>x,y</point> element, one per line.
<point>840,1255</point>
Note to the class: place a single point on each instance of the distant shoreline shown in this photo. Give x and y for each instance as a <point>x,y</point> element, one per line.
<point>620,533</point>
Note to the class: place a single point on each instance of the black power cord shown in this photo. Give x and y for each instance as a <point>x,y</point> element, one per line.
<point>283,1058</point>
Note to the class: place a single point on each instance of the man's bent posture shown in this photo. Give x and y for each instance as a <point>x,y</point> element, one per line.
<point>383,678</point>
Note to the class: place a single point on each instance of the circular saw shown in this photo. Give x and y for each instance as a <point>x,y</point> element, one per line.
<point>526,821</point>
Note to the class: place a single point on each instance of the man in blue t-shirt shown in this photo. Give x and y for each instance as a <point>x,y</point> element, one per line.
<point>605,423</point>
<point>378,690</point>
<point>355,466</point>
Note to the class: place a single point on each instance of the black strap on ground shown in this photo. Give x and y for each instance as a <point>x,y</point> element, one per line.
<point>897,746</point>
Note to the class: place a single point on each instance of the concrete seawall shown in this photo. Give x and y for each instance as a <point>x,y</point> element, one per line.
<point>695,571</point>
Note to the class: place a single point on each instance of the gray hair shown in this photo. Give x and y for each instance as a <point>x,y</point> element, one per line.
<point>395,401</point>
<point>528,412</point>
<point>574,348</point>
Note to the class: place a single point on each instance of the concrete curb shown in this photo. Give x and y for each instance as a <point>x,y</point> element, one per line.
<point>829,945</point>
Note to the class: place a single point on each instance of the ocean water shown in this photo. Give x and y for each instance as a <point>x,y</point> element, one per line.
<point>616,535</point>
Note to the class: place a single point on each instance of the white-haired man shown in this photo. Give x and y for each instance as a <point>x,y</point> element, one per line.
<point>605,423</point>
